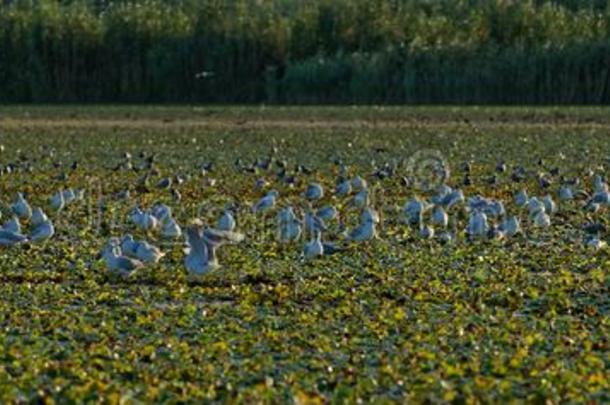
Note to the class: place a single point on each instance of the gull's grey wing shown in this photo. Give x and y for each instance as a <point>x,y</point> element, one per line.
<point>216,237</point>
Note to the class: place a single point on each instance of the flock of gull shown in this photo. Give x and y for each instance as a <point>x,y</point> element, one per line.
<point>444,214</point>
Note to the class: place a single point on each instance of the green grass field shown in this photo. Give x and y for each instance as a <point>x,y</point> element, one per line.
<point>391,320</point>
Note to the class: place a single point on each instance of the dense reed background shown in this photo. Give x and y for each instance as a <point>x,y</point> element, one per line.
<point>315,51</point>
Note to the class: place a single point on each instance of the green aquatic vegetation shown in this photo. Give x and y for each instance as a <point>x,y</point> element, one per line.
<point>393,320</point>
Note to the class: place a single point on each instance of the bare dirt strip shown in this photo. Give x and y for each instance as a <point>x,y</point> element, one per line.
<point>9,123</point>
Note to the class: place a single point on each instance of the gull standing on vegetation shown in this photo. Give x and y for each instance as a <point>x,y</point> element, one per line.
<point>197,260</point>
<point>521,198</point>
<point>600,197</point>
<point>541,219</point>
<point>10,238</point>
<point>327,213</point>
<point>117,263</point>
<point>289,226</point>
<point>38,216</point>
<point>495,209</point>
<point>202,243</point>
<point>440,217</point>
<point>358,183</point>
<point>452,199</point>
<point>314,192</point>
<point>286,214</point>
<point>361,199</point>
<point>414,210</point>
<point>442,193</point>
<point>478,226</point>
<point>599,184</point>
<point>369,215</point>
<point>344,188</point>
<point>140,250</point>
<point>12,225</point>
<point>144,220</point>
<point>534,205</point>
<point>147,253</point>
<point>161,211</point>
<point>566,193</point>
<point>266,203</point>
<point>68,195</point>
<point>21,208</point>
<point>313,224</point>
<point>549,205</point>
<point>314,248</point>
<point>43,227</point>
<point>511,226</point>
<point>366,229</point>
<point>170,228</point>
<point>128,245</point>
<point>226,222</point>
<point>57,201</point>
